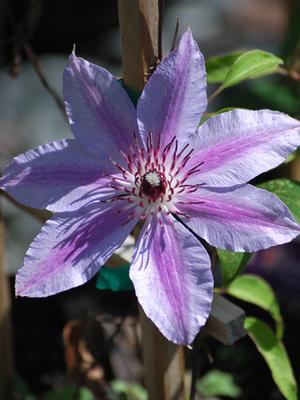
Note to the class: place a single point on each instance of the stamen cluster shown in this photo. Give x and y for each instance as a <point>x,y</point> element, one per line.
<point>153,177</point>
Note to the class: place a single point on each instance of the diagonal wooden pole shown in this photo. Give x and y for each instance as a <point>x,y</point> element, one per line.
<point>6,358</point>
<point>140,26</point>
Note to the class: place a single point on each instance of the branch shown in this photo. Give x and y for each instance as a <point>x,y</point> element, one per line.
<point>40,73</point>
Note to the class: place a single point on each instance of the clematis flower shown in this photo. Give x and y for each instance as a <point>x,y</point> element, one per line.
<point>153,163</point>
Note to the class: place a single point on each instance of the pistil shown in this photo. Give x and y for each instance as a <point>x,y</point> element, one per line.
<point>153,185</point>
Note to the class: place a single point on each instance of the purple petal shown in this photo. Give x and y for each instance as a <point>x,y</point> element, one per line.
<point>101,114</point>
<point>71,248</point>
<point>172,279</point>
<point>58,176</point>
<point>238,145</point>
<point>242,218</point>
<point>174,99</point>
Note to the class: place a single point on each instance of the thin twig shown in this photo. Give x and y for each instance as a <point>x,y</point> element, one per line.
<point>22,33</point>
<point>175,35</point>
<point>216,93</point>
<point>290,73</point>
<point>220,290</point>
<point>40,73</point>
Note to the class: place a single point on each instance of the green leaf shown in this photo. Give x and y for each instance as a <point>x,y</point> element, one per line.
<point>133,391</point>
<point>69,392</point>
<point>274,353</point>
<point>292,157</point>
<point>206,116</point>
<point>231,264</point>
<point>256,290</point>
<point>221,111</point>
<point>85,394</point>
<point>133,94</point>
<point>218,383</point>
<point>252,64</point>
<point>115,279</point>
<point>217,67</point>
<point>288,191</point>
<point>21,389</point>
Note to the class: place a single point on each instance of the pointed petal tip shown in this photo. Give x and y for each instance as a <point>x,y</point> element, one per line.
<point>240,144</point>
<point>181,340</point>
<point>18,294</point>
<point>242,219</point>
<point>174,99</point>
<point>187,36</point>
<point>189,32</point>
<point>72,57</point>
<point>18,291</point>
<point>2,187</point>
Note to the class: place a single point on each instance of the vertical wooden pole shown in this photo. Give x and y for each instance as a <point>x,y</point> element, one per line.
<point>6,363</point>
<point>163,364</point>
<point>140,26</point>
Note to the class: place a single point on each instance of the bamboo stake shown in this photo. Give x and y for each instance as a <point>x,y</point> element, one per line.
<point>140,26</point>
<point>294,168</point>
<point>6,358</point>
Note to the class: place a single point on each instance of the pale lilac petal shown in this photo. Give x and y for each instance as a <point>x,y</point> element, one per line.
<point>174,99</point>
<point>71,248</point>
<point>100,112</point>
<point>238,145</point>
<point>241,218</point>
<point>172,279</point>
<point>58,176</point>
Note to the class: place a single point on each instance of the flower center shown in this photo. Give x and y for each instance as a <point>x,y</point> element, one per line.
<point>153,184</point>
<point>154,178</point>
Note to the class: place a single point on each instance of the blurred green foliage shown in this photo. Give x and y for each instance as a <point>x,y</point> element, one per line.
<point>127,390</point>
<point>217,383</point>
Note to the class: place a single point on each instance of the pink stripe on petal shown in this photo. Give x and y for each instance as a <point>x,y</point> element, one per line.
<point>71,248</point>
<point>238,145</point>
<point>242,218</point>
<point>174,99</point>
<point>172,279</point>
